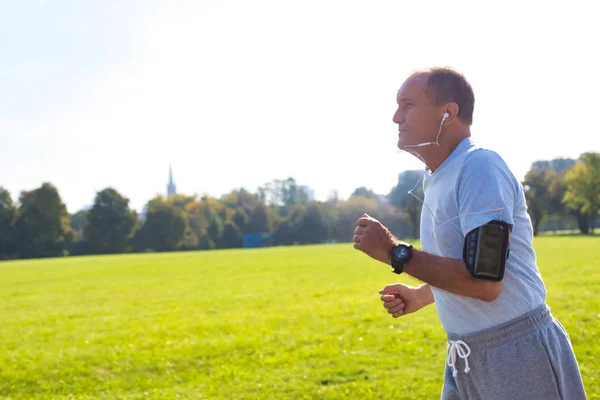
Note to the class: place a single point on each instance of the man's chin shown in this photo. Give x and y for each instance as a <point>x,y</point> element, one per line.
<point>401,144</point>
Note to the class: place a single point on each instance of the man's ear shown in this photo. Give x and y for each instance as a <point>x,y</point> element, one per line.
<point>452,110</point>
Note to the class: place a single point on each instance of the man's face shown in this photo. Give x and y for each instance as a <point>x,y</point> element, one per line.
<point>417,116</point>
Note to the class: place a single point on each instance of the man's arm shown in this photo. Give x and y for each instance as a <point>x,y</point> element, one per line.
<point>486,191</point>
<point>426,294</point>
<point>400,299</point>
<point>450,274</point>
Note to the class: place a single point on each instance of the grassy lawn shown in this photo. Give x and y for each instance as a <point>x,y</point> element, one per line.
<point>276,323</point>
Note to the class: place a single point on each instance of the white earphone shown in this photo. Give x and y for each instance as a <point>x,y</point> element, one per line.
<point>446,115</point>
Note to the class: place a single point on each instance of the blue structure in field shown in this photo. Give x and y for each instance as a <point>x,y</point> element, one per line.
<point>253,240</point>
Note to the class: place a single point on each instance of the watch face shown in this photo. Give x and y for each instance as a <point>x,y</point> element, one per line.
<point>401,252</point>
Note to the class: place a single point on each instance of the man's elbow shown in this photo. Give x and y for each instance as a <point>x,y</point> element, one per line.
<point>490,291</point>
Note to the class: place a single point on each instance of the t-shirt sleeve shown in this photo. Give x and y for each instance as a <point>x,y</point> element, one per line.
<point>486,190</point>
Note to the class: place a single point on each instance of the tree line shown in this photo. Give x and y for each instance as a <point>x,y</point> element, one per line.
<point>561,194</point>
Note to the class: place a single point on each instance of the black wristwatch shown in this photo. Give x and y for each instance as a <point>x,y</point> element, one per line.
<point>401,254</point>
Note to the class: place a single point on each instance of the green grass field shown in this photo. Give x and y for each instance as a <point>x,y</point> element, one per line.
<point>277,323</point>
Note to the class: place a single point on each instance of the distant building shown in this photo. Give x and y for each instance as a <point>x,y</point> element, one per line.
<point>310,194</point>
<point>171,190</point>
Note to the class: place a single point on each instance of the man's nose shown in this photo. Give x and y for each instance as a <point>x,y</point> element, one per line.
<point>398,117</point>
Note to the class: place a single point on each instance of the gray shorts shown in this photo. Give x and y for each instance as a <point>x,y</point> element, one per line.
<point>527,358</point>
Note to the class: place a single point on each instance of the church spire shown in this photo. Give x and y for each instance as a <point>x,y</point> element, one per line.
<point>171,185</point>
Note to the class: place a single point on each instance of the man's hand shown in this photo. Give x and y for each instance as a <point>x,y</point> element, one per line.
<point>374,239</point>
<point>400,299</point>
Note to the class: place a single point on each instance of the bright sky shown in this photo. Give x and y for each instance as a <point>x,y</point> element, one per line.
<point>235,93</point>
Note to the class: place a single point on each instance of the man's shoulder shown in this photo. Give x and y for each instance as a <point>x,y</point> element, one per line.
<point>481,156</point>
<point>480,160</point>
<point>474,157</point>
<point>482,164</point>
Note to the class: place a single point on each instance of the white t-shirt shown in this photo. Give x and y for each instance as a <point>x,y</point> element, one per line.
<point>471,187</point>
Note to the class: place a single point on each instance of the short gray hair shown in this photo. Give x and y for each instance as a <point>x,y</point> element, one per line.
<point>447,85</point>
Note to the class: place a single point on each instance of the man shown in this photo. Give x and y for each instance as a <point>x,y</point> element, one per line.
<point>477,261</point>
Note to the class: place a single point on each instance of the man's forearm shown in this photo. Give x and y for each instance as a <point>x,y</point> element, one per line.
<point>426,295</point>
<point>451,275</point>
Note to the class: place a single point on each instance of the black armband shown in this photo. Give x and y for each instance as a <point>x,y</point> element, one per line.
<point>486,250</point>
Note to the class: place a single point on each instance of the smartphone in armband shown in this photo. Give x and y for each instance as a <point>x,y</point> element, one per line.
<point>486,250</point>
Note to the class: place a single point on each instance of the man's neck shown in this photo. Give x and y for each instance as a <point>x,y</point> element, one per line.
<point>434,156</point>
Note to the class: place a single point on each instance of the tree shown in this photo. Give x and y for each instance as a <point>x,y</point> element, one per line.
<point>212,210</point>
<point>8,216</point>
<point>164,228</point>
<point>363,191</point>
<point>190,240</point>
<point>232,236</point>
<point>284,233</point>
<point>110,223</point>
<point>347,212</point>
<point>197,222</point>
<point>206,222</point>
<point>259,220</point>
<point>539,199</point>
<point>311,227</point>
<point>240,219</point>
<point>551,211</point>
<point>282,195</point>
<point>401,198</point>
<point>178,200</point>
<point>78,221</point>
<point>583,188</point>
<point>241,199</point>
<point>42,225</point>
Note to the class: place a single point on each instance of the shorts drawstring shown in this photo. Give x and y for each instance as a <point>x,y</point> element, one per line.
<point>463,350</point>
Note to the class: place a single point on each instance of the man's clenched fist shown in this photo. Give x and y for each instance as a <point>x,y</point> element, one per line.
<point>374,239</point>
